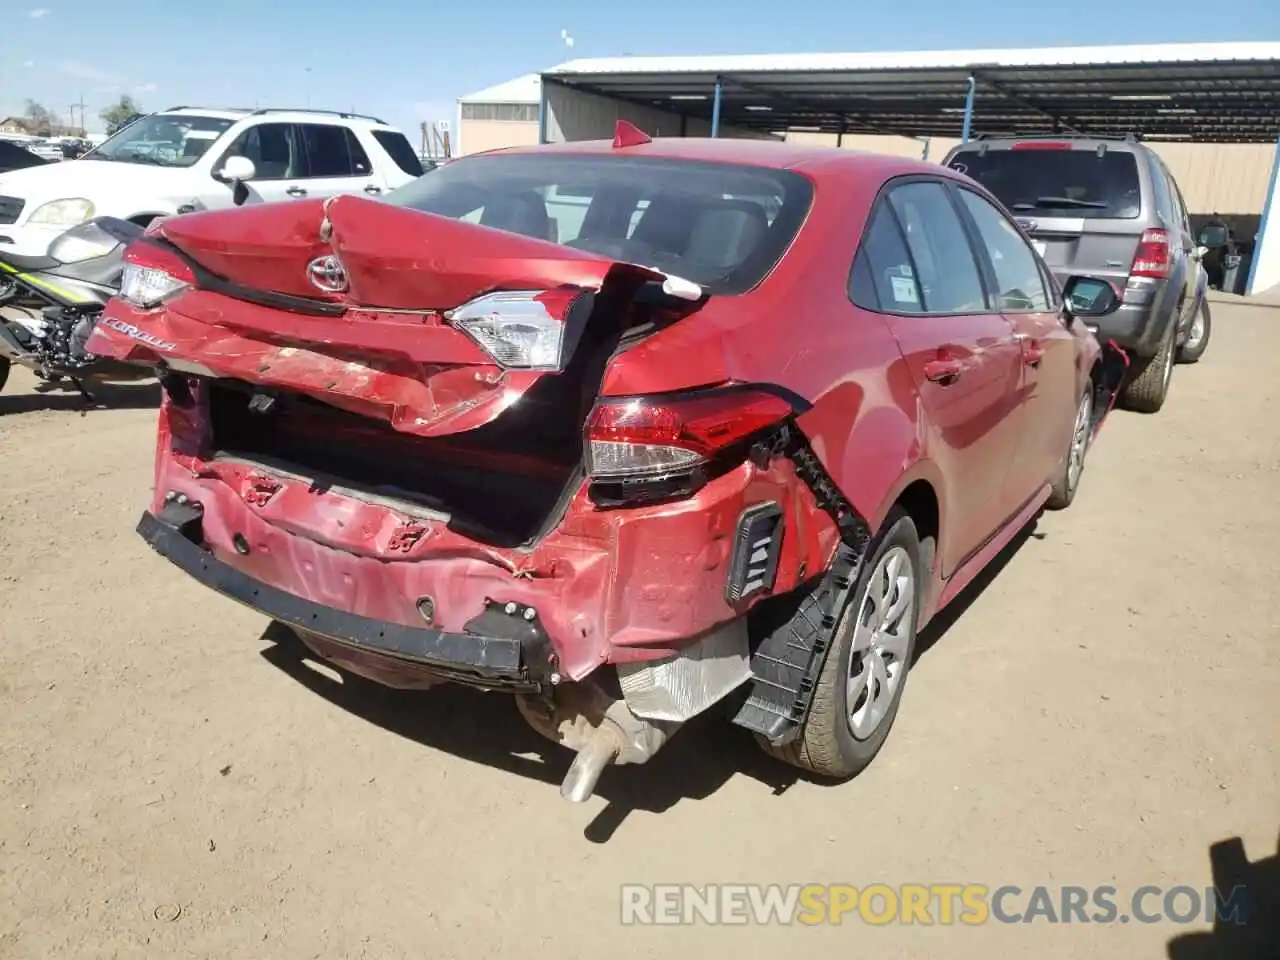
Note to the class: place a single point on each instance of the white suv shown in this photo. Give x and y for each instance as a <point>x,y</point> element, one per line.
<point>171,162</point>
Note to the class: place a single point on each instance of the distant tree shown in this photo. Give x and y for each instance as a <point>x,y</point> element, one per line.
<point>40,119</point>
<point>119,114</point>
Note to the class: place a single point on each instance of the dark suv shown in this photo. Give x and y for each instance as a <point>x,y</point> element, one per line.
<point>1108,208</point>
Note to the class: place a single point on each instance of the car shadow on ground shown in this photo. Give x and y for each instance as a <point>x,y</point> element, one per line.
<point>1252,933</point>
<point>488,729</point>
<point>64,396</point>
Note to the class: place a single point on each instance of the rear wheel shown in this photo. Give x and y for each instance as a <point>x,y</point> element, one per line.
<point>1149,386</point>
<point>856,698</point>
<point>1064,487</point>
<point>1197,337</point>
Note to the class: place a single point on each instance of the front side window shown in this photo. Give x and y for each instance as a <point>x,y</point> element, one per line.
<point>163,140</point>
<point>724,226</point>
<point>1019,280</point>
<point>948,274</point>
<point>274,150</point>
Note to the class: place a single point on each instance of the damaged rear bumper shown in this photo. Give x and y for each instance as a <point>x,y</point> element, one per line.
<point>513,658</point>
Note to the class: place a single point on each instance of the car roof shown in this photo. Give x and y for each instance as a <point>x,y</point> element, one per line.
<point>775,154</point>
<point>1119,144</point>
<point>280,114</point>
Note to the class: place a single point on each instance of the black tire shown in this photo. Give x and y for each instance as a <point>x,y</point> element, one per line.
<point>1067,482</point>
<point>4,372</point>
<point>1148,385</point>
<point>1192,351</point>
<point>827,746</point>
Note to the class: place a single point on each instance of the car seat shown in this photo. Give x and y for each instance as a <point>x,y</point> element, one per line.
<point>725,233</point>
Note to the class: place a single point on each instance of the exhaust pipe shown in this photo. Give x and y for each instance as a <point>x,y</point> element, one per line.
<point>584,773</point>
<point>600,728</point>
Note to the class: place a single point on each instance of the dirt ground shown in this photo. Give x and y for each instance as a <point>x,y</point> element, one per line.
<point>1104,710</point>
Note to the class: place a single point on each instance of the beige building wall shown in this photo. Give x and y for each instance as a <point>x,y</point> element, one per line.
<point>480,135</point>
<point>1226,178</point>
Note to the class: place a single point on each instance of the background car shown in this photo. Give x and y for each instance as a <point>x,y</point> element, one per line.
<point>1108,208</point>
<point>14,156</point>
<point>671,421</point>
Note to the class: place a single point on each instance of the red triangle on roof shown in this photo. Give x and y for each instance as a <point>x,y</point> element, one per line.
<point>627,134</point>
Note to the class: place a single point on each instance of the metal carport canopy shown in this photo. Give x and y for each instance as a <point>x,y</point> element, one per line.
<point>1205,92</point>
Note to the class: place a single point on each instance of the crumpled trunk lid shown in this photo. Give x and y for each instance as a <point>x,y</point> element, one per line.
<point>374,338</point>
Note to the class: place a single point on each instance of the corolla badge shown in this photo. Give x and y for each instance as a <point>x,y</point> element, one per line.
<point>328,274</point>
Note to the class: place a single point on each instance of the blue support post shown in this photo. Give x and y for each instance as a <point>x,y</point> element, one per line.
<point>715,111</point>
<point>968,110</point>
<point>542,110</point>
<point>1269,202</point>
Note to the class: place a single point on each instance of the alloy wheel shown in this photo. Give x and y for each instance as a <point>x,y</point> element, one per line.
<point>885,619</point>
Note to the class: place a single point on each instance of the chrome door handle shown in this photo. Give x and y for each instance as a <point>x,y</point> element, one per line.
<point>373,188</point>
<point>296,191</point>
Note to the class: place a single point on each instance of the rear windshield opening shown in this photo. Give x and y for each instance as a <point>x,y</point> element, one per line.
<point>724,226</point>
<point>1067,183</point>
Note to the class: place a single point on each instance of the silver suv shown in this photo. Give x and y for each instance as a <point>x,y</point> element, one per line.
<point>1108,208</point>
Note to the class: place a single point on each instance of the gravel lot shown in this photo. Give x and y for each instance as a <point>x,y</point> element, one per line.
<point>1102,712</point>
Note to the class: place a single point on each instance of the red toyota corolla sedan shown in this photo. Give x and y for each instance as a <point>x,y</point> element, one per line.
<point>625,429</point>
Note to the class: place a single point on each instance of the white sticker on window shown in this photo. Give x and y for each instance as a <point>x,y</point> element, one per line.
<point>904,290</point>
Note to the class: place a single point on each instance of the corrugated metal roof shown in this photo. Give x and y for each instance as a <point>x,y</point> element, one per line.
<point>1223,92</point>
<point>927,60</point>
<point>526,89</point>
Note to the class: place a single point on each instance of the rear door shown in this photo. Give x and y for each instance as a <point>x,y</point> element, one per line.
<point>1081,202</point>
<point>1047,416</point>
<point>916,267</point>
<point>335,161</point>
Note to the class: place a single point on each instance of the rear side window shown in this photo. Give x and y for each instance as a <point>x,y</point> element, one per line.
<point>1056,182</point>
<point>398,149</point>
<point>947,271</point>
<point>884,278</point>
<point>721,225</point>
<point>333,151</point>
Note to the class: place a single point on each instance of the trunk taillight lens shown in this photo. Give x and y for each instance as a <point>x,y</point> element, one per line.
<point>1152,258</point>
<point>153,275</point>
<point>520,329</point>
<point>643,441</point>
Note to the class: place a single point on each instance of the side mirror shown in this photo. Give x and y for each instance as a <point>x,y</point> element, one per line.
<point>236,168</point>
<point>1089,297</point>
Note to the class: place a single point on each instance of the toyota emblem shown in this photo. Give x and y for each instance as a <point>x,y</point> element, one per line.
<point>328,274</point>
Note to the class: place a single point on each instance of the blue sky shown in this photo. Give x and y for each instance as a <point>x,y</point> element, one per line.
<point>409,61</point>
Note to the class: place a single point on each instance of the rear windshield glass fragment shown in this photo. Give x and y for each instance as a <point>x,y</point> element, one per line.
<point>1065,183</point>
<point>724,226</point>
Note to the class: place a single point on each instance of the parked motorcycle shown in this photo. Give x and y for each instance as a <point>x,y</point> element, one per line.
<point>75,279</point>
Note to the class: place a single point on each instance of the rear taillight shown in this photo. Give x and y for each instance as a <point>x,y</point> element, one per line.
<point>645,447</point>
<point>153,275</point>
<point>1152,257</point>
<point>521,329</point>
